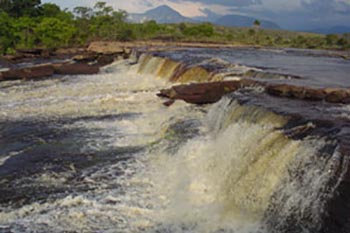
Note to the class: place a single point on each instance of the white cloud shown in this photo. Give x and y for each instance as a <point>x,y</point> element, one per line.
<point>289,13</point>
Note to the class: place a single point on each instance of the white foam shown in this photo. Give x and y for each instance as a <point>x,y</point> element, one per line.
<point>221,180</point>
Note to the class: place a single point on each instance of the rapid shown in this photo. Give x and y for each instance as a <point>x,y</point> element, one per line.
<point>101,153</point>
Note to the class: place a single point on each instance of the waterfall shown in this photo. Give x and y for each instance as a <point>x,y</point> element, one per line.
<point>244,175</point>
<point>226,167</point>
<point>174,71</point>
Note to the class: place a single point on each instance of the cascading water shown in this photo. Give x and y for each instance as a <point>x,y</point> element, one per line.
<point>119,161</point>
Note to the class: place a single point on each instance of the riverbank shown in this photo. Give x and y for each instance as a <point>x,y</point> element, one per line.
<point>119,48</point>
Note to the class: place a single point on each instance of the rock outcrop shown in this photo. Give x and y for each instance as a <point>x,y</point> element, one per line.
<point>28,73</point>
<point>211,92</point>
<point>47,70</point>
<point>101,47</point>
<point>75,69</point>
<point>331,95</point>
<point>205,93</point>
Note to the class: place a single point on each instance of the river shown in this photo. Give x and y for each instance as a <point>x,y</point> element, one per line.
<point>101,153</point>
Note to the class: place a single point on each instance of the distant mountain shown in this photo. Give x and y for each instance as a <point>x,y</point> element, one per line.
<point>161,14</point>
<point>243,21</point>
<point>165,14</point>
<point>332,30</point>
<point>209,16</point>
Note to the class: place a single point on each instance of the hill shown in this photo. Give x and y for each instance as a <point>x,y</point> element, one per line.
<point>161,14</point>
<point>332,30</point>
<point>243,21</point>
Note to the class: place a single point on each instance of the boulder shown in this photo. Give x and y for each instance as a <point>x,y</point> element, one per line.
<point>104,60</point>
<point>282,90</point>
<point>314,94</point>
<point>76,68</point>
<point>28,73</point>
<point>206,93</point>
<point>203,93</point>
<point>331,95</point>
<point>336,95</point>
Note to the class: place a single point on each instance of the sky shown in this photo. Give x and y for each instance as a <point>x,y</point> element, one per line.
<point>290,14</point>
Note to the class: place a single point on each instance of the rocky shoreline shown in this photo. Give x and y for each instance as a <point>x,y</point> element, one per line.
<point>102,53</point>
<point>73,61</point>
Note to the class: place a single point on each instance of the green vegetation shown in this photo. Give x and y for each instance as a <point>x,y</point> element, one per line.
<point>257,23</point>
<point>29,24</point>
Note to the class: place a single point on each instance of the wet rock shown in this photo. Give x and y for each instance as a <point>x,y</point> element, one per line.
<point>331,95</point>
<point>167,93</point>
<point>197,73</point>
<point>76,69</point>
<point>204,93</point>
<point>169,103</point>
<point>282,90</point>
<point>28,73</point>
<point>104,60</point>
<point>47,70</point>
<point>334,95</point>
<point>314,94</point>
<point>268,75</point>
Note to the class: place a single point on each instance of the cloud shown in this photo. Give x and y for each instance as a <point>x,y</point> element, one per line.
<point>290,14</point>
<point>238,3</point>
<point>327,6</point>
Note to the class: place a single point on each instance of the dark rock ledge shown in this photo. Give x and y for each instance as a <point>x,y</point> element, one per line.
<point>46,63</point>
<point>211,92</point>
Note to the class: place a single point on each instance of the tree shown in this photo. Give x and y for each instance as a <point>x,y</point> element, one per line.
<point>18,8</point>
<point>7,37</point>
<point>50,10</point>
<point>257,24</point>
<point>83,12</point>
<point>5,5</point>
<point>53,32</point>
<point>101,9</point>
<point>24,31</point>
<point>82,22</point>
<point>182,27</point>
<point>150,27</point>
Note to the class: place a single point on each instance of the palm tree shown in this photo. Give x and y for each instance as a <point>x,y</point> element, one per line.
<point>257,27</point>
<point>257,24</point>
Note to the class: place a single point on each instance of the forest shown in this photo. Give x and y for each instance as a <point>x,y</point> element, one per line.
<point>31,24</point>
